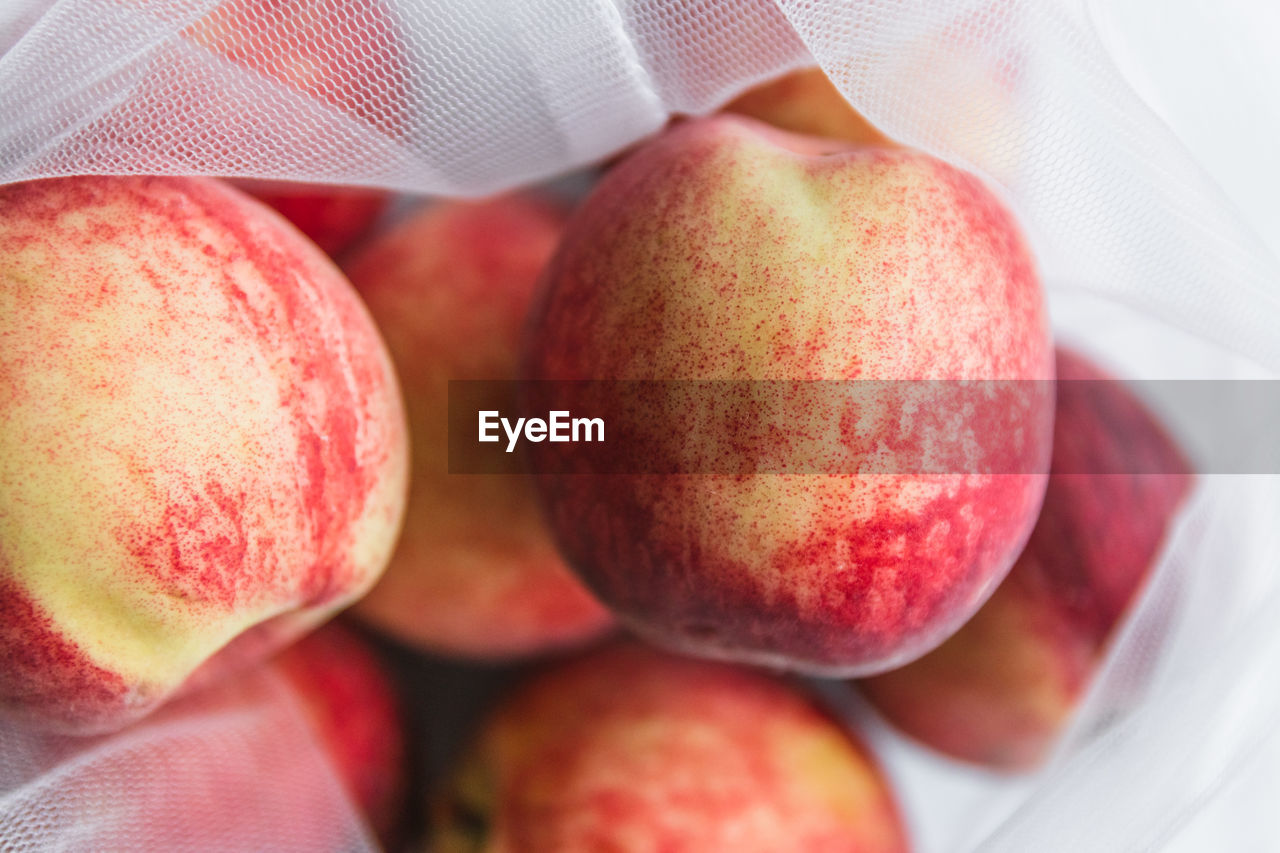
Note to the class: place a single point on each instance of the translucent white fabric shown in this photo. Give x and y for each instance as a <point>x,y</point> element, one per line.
<point>231,768</point>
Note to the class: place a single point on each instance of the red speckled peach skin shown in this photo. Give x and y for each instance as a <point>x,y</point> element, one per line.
<point>352,703</point>
<point>476,572</point>
<point>43,668</point>
<point>334,218</point>
<point>1000,690</point>
<point>631,749</point>
<point>727,249</point>
<point>202,439</point>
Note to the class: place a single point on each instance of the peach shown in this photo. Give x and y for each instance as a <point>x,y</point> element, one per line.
<point>476,572</point>
<point>202,443</point>
<point>806,102</point>
<point>333,217</point>
<point>728,250</point>
<point>631,749</point>
<point>999,691</point>
<point>352,705</point>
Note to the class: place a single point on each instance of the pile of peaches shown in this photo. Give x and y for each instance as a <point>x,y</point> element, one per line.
<point>224,424</point>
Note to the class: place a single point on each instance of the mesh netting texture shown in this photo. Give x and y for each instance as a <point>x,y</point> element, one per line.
<point>234,767</point>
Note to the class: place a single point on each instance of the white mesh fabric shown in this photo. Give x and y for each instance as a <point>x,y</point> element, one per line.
<point>232,768</point>
<point>469,98</point>
<point>465,98</point>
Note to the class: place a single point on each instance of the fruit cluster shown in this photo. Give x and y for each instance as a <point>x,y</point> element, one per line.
<point>215,439</point>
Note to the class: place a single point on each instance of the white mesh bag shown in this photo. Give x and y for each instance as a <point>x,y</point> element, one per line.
<point>235,767</point>
<point>1132,138</point>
